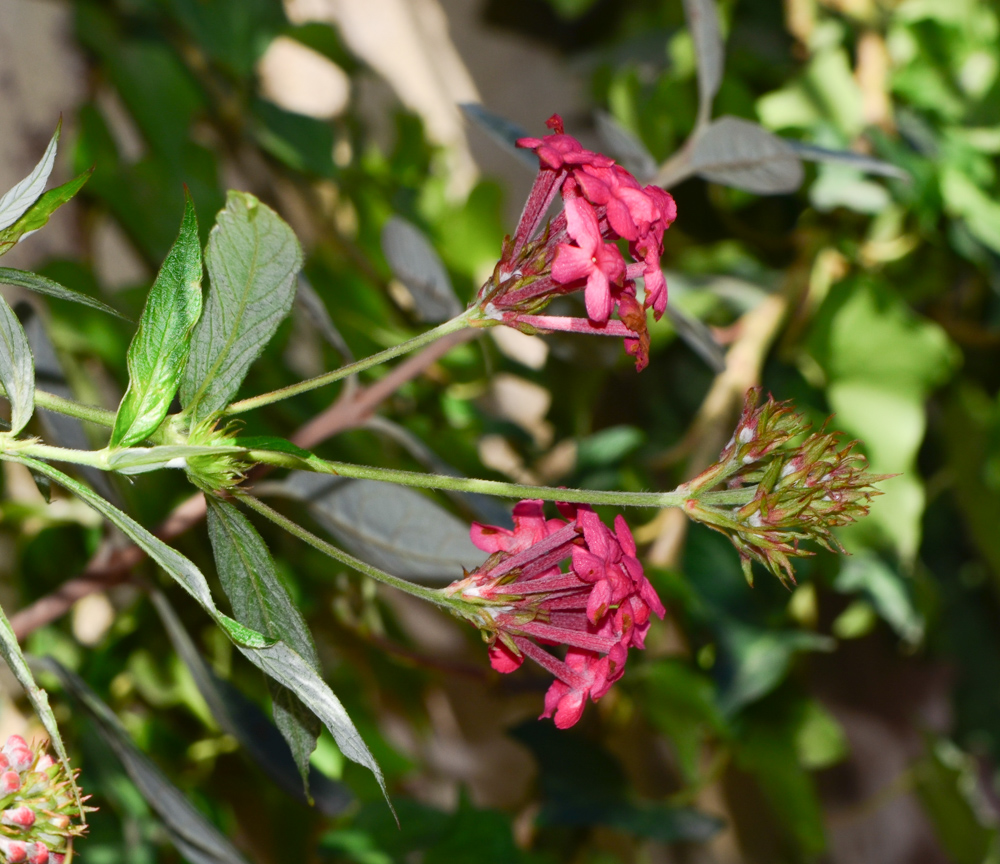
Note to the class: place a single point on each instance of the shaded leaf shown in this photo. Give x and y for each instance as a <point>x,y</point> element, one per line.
<point>17,368</point>
<point>241,718</point>
<point>38,213</point>
<point>16,201</point>
<point>501,130</point>
<point>261,601</point>
<point>745,155</point>
<point>252,258</point>
<point>887,592</point>
<point>160,347</point>
<point>44,285</point>
<point>703,22</point>
<point>860,161</point>
<point>277,660</point>
<point>195,837</point>
<point>319,317</point>
<point>60,429</point>
<point>698,337</point>
<point>416,264</point>
<point>391,527</point>
<point>625,146</point>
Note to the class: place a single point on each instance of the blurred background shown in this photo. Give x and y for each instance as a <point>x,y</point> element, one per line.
<point>854,718</point>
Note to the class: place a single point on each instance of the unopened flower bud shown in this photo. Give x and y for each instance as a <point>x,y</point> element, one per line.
<point>10,781</point>
<point>39,854</point>
<point>15,851</point>
<point>23,817</point>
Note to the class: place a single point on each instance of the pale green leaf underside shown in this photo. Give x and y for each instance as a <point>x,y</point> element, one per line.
<point>261,601</point>
<point>38,213</point>
<point>252,259</point>
<point>16,201</point>
<point>17,369</point>
<point>277,660</point>
<point>160,347</point>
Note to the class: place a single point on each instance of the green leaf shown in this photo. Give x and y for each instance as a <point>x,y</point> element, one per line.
<point>742,154</point>
<point>197,839</point>
<point>17,368</point>
<point>159,350</point>
<point>887,592</point>
<point>277,660</point>
<point>241,718</point>
<point>38,214</point>
<point>44,285</point>
<point>17,200</point>
<point>36,695</point>
<point>252,258</point>
<point>261,601</point>
<point>139,460</point>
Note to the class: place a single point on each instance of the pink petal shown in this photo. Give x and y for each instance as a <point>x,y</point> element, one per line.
<point>572,263</point>
<point>581,225</point>
<point>503,659</point>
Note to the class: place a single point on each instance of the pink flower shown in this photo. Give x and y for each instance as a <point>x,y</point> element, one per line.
<point>521,599</point>
<point>591,259</point>
<point>603,203</point>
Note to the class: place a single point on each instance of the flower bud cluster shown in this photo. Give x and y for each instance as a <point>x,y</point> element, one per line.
<point>796,491</point>
<point>603,203</point>
<point>37,806</point>
<point>599,607</point>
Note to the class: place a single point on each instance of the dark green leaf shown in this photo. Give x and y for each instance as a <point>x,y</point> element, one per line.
<point>17,368</point>
<point>195,837</point>
<point>159,350</point>
<point>277,660</point>
<point>38,214</point>
<point>16,201</point>
<point>260,601</point>
<point>394,528</point>
<point>745,155</point>
<point>252,259</point>
<point>416,264</point>
<point>43,285</point>
<point>242,719</point>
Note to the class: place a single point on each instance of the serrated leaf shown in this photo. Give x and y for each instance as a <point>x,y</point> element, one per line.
<point>17,368</point>
<point>625,146</point>
<point>160,347</point>
<point>17,200</point>
<point>44,285</point>
<point>703,22</point>
<point>252,258</point>
<point>505,132</point>
<point>38,213</point>
<point>197,839</point>
<point>745,155</point>
<point>416,264</point>
<point>260,601</point>
<point>391,527</point>
<point>241,718</point>
<point>36,695</point>
<point>277,659</point>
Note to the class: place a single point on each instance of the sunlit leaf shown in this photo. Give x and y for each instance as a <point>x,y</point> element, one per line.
<point>703,22</point>
<point>252,259</point>
<point>742,154</point>
<point>38,213</point>
<point>17,200</point>
<point>17,368</point>
<point>160,347</point>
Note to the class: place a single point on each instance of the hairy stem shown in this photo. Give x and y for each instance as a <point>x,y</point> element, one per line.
<point>455,324</point>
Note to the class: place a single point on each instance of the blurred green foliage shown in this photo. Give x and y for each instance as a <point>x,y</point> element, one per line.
<point>782,725</point>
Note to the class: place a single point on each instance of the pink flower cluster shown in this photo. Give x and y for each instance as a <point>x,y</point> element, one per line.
<point>36,805</point>
<point>603,203</point>
<point>599,608</point>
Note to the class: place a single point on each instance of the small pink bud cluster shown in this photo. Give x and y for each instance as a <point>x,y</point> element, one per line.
<point>599,607</point>
<point>603,203</point>
<point>796,492</point>
<point>37,806</point>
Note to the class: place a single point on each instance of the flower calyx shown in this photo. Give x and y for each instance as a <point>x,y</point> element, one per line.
<point>795,491</point>
<point>38,810</point>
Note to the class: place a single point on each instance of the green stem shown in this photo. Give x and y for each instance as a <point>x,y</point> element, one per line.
<point>94,458</point>
<point>499,488</point>
<point>452,326</point>
<point>432,595</point>
<point>60,405</point>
